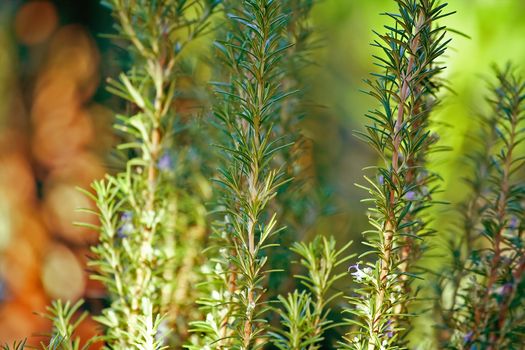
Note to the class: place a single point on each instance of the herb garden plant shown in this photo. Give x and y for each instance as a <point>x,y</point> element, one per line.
<point>186,268</point>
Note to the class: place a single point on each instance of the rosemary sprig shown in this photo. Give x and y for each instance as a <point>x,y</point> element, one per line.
<point>399,132</point>
<point>305,314</point>
<point>136,251</point>
<point>252,54</point>
<point>488,312</point>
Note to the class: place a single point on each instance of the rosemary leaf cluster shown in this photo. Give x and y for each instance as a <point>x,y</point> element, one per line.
<point>488,299</point>
<point>248,110</point>
<point>296,200</point>
<point>305,314</point>
<point>65,322</point>
<point>402,187</point>
<point>137,254</point>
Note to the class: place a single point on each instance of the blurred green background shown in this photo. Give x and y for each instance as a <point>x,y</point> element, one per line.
<point>336,107</point>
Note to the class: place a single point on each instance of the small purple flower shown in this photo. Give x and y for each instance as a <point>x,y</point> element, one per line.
<point>422,176</point>
<point>127,225</point>
<point>467,338</point>
<point>410,195</point>
<point>381,180</point>
<point>389,329</point>
<point>165,162</point>
<point>514,223</point>
<point>162,332</point>
<point>126,216</point>
<point>506,289</point>
<point>125,230</point>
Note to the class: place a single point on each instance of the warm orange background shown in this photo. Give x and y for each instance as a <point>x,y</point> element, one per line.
<point>52,136</point>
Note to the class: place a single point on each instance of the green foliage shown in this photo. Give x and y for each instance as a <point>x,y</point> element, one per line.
<point>305,315</point>
<point>247,112</point>
<point>300,329</point>
<point>152,219</point>
<point>16,346</point>
<point>296,200</point>
<point>320,258</point>
<point>140,257</point>
<point>488,300</point>
<point>402,188</point>
<point>66,319</point>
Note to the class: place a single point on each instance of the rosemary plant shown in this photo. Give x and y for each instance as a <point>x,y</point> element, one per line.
<point>64,325</point>
<point>65,321</point>
<point>248,112</point>
<point>152,221</point>
<point>17,345</point>
<point>305,315</point>
<point>137,208</point>
<point>462,243</point>
<point>297,200</point>
<point>402,187</point>
<point>489,300</point>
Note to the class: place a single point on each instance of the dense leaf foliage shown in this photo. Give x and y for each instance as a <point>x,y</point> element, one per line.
<point>488,303</point>
<point>401,189</point>
<point>188,268</point>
